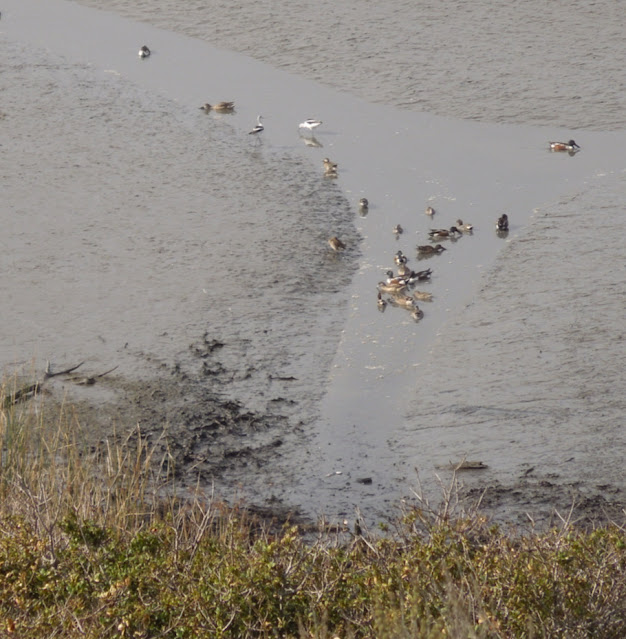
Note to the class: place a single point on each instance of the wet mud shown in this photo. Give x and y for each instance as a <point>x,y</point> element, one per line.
<point>202,439</point>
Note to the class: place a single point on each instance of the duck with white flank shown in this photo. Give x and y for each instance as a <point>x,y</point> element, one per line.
<point>570,147</point>
<point>144,52</point>
<point>464,228</point>
<point>503,223</point>
<point>400,258</point>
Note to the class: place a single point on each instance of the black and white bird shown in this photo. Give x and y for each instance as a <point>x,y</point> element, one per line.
<point>310,124</point>
<point>259,127</point>
<point>144,52</point>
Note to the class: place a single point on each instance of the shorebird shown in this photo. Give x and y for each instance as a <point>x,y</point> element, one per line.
<point>310,124</point>
<point>259,127</point>
<point>144,52</point>
<point>336,244</point>
<point>220,106</point>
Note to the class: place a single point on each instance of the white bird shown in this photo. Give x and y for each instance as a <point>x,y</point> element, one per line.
<point>259,127</point>
<point>144,52</point>
<point>310,123</point>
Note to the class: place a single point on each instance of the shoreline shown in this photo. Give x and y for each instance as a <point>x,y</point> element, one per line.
<point>400,161</point>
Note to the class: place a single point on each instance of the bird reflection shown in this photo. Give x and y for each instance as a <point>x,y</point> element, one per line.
<point>311,140</point>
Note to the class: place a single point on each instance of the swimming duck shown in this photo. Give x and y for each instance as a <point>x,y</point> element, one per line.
<point>392,279</point>
<point>144,52</point>
<point>403,301</point>
<point>220,106</point>
<point>398,230</point>
<point>393,288</point>
<point>409,276</point>
<point>429,210</point>
<point>310,124</point>
<point>464,228</point>
<point>417,313</point>
<point>363,204</point>
<point>382,305</point>
<point>400,258</point>
<point>404,270</point>
<point>423,296</point>
<point>564,146</point>
<point>328,165</point>
<point>336,244</point>
<point>259,127</point>
<point>429,249</point>
<point>421,276</point>
<point>503,223</point>
<point>443,234</point>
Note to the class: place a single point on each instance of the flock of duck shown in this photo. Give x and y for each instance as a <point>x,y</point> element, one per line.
<point>398,287</point>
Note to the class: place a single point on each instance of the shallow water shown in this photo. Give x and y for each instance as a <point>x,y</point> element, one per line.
<point>557,63</point>
<point>134,223</point>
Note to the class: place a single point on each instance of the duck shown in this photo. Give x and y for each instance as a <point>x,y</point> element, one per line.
<point>220,106</point>
<point>310,123</point>
<point>464,228</point>
<point>429,210</point>
<point>330,168</point>
<point>382,304</point>
<point>570,146</point>
<point>429,249</point>
<point>409,276</point>
<point>404,301</point>
<point>259,127</point>
<point>423,296</point>
<point>417,313</point>
<point>404,270</point>
<point>443,234</point>
<point>399,279</point>
<point>144,52</point>
<point>400,258</point>
<point>398,230</point>
<point>393,288</point>
<point>364,204</point>
<point>503,222</point>
<point>336,244</point>
<point>421,276</point>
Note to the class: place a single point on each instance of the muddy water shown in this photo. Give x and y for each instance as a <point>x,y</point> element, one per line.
<point>135,224</point>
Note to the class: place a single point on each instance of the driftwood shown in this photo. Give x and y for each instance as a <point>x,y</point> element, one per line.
<point>30,390</point>
<point>88,381</point>
<point>463,465</point>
